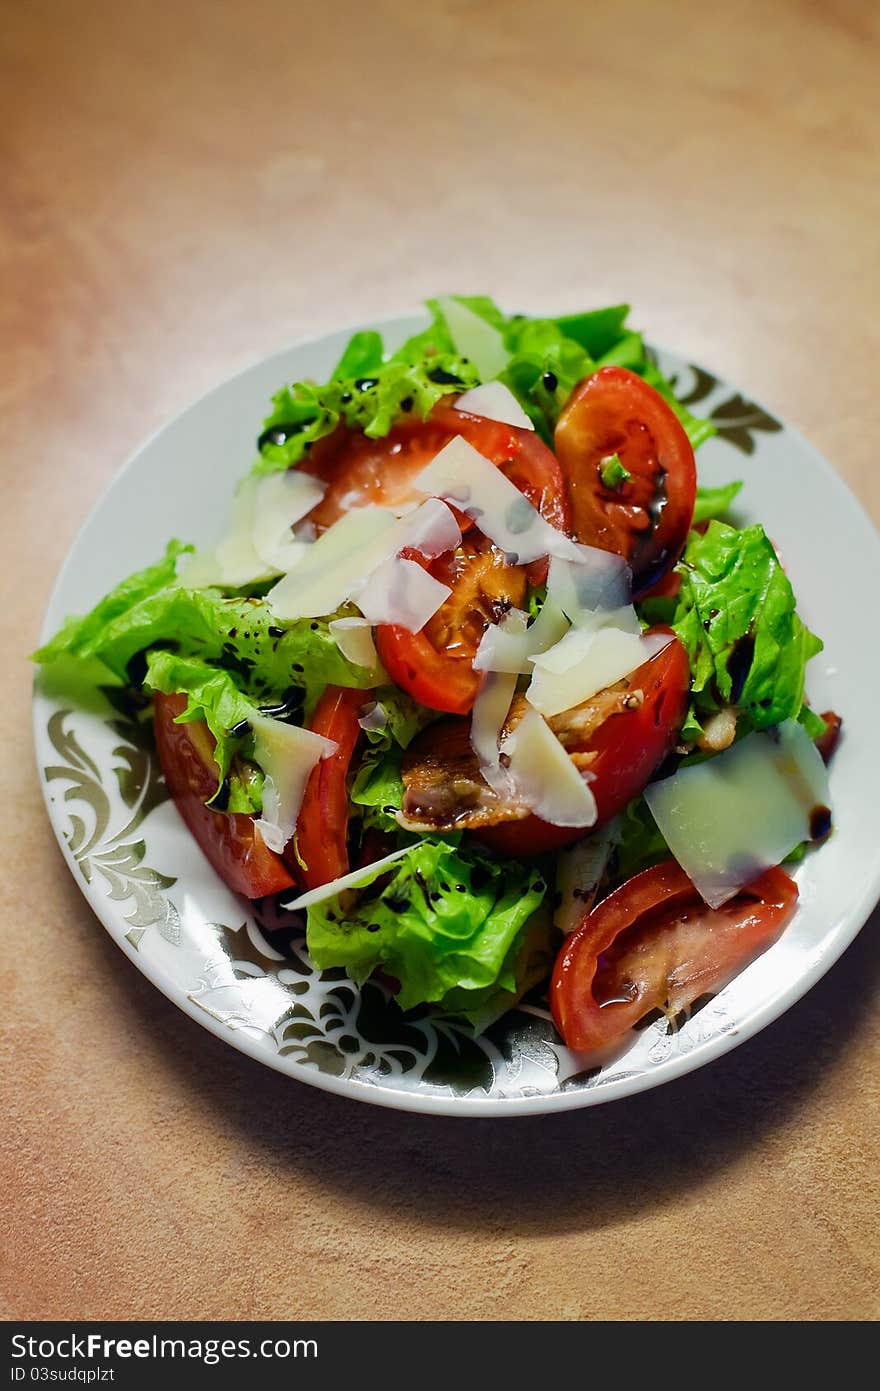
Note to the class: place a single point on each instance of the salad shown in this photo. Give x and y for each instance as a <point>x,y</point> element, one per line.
<point>483,684</point>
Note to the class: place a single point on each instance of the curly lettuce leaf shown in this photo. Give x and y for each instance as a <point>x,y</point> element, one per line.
<point>545,366</point>
<point>378,784</point>
<point>239,634</point>
<point>545,359</point>
<point>363,354</point>
<point>712,503</point>
<point>212,696</point>
<point>639,844</point>
<point>378,788</point>
<point>448,924</point>
<point>736,616</point>
<point>81,636</point>
<point>372,401</point>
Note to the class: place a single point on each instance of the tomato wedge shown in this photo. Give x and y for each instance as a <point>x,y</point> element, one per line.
<point>619,736</point>
<point>622,736</point>
<point>231,842</point>
<point>435,665</point>
<point>321,842</point>
<point>358,470</point>
<point>646,517</point>
<point>654,944</point>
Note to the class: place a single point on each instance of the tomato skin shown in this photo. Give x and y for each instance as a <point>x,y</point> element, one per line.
<point>646,518</point>
<point>653,944</point>
<point>827,742</point>
<point>414,664</point>
<point>321,841</point>
<point>435,665</point>
<point>423,664</point>
<point>359,471</point>
<point>231,842</point>
<point>629,746</point>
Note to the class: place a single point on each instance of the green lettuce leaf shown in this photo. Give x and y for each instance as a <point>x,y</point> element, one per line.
<point>239,634</point>
<point>714,502</point>
<point>639,844</point>
<point>371,392</point>
<point>378,783</point>
<point>81,636</point>
<point>737,619</point>
<point>378,788</point>
<point>812,723</point>
<point>212,696</point>
<point>372,401</point>
<point>363,355</point>
<point>448,924</point>
<point>545,367</point>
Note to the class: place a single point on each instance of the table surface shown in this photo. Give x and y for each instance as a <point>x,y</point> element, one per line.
<point>189,186</point>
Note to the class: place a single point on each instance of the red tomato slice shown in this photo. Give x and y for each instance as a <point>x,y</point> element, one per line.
<point>646,518</point>
<point>231,842</point>
<point>359,471</point>
<point>321,842</point>
<point>828,741</point>
<point>654,944</point>
<point>435,665</point>
<point>625,746</point>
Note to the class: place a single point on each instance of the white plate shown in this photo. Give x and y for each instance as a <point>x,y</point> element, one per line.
<point>202,946</point>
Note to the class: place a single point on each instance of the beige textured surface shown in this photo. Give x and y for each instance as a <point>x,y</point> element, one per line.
<point>188,186</point>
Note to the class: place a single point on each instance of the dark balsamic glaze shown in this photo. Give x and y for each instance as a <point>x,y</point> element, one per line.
<point>739,665</point>
<point>281,433</point>
<point>444,378</point>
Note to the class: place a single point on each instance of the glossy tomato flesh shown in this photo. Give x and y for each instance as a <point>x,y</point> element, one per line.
<point>627,747</point>
<point>435,665</point>
<point>359,471</point>
<point>231,842</point>
<point>655,944</point>
<point>646,518</point>
<point>321,843</point>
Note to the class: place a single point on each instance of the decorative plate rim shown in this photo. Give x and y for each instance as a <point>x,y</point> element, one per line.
<point>841,931</point>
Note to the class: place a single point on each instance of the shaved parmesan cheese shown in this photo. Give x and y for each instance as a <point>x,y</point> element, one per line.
<point>199,571</point>
<point>512,646</point>
<point>504,646</point>
<point>732,817</point>
<point>354,638</point>
<point>280,499</point>
<point>402,592</point>
<point>430,527</point>
<point>233,561</point>
<point>287,755</point>
<point>365,875</point>
<point>259,543</point>
<point>474,339</point>
<point>489,713</point>
<point>596,583</point>
<point>587,661</point>
<point>579,870</point>
<point>544,775</point>
<point>375,719</point>
<point>549,628</point>
<point>496,692</point>
<point>460,474</point>
<point>494,401</point>
<point>236,555</point>
<point>338,565</point>
<point>335,565</point>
